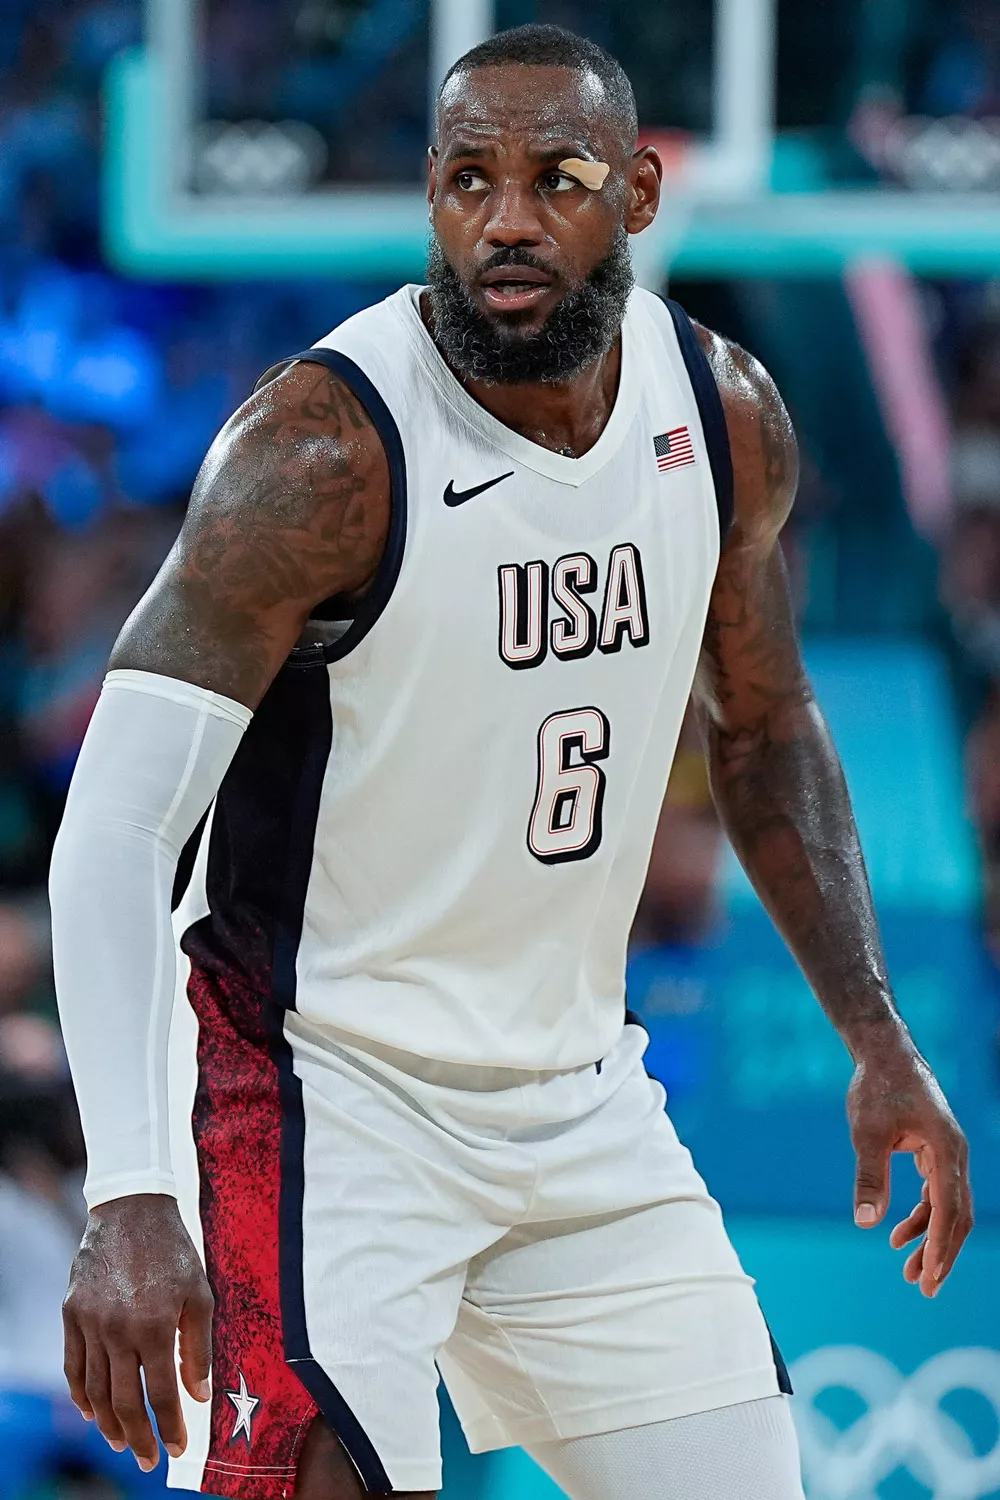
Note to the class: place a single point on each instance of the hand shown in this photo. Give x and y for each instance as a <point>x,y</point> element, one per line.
<point>895,1104</point>
<point>135,1281</point>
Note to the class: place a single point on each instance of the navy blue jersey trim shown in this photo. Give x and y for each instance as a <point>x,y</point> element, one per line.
<point>711,410</point>
<point>185,863</point>
<point>272,372</point>
<point>259,863</point>
<point>337,1414</point>
<point>314,733</point>
<point>781,1369</point>
<point>368,609</point>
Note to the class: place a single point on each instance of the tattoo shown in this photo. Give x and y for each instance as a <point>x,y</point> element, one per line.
<point>329,400</point>
<point>775,773</point>
<point>291,506</point>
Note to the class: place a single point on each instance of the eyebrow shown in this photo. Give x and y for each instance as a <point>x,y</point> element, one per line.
<point>565,148</point>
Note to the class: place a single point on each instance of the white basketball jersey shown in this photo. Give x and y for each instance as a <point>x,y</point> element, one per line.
<point>437,829</point>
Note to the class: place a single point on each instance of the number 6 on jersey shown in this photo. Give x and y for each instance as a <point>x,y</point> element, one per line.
<point>566,820</point>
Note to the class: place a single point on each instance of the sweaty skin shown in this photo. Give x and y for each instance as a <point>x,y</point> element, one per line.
<point>500,186</point>
<point>781,795</point>
<point>292,506</point>
<point>593,174</point>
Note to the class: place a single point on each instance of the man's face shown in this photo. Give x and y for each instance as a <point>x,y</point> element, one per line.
<point>530,270</point>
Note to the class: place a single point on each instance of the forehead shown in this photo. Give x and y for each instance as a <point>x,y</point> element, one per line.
<point>532,106</point>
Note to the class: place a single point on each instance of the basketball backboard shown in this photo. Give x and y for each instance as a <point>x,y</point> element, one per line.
<point>188,193</point>
<point>198,186</point>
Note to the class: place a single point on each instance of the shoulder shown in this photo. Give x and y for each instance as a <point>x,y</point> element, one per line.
<point>761,436</point>
<point>301,442</point>
<point>306,409</point>
<point>299,462</point>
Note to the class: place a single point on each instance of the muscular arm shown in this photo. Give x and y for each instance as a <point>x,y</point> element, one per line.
<point>781,795</point>
<point>291,507</point>
<point>775,772</point>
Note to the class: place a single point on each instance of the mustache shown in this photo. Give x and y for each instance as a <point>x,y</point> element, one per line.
<point>581,327</point>
<point>512,255</point>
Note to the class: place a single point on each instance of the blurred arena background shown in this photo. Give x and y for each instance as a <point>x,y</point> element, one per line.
<point>192,188</point>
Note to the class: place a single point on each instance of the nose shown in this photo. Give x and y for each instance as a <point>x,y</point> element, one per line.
<point>513,216</point>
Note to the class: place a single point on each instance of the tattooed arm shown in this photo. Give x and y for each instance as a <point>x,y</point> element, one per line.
<point>781,795</point>
<point>291,507</point>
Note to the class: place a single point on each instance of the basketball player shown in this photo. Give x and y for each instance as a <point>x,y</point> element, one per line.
<point>421,655</point>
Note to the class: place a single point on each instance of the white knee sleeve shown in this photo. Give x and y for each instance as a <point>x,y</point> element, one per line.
<point>747,1452</point>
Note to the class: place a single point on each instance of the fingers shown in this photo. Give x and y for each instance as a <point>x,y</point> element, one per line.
<point>196,1345</point>
<point>950,1221</point>
<point>912,1228</point>
<point>135,1271</point>
<point>961,1232</point>
<point>129,1405</point>
<point>944,1214</point>
<point>75,1365</point>
<point>98,1394</point>
<point>162,1393</point>
<point>946,1205</point>
<point>914,1225</point>
<point>106,1372</point>
<point>914,1267</point>
<point>944,1217</point>
<point>908,1112</point>
<point>871,1187</point>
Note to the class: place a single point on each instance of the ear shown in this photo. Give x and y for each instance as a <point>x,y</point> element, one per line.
<point>432,174</point>
<point>645,177</point>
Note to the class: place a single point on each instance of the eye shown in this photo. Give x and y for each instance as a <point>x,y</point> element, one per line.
<point>470,181</point>
<point>559,182</point>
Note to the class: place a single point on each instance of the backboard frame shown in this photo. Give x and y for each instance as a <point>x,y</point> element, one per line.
<point>154,225</point>
<point>719,219</point>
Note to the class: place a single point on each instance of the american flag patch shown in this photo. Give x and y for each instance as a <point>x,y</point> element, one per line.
<point>674,450</point>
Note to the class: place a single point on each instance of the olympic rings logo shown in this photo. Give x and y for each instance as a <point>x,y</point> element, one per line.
<point>904,1426</point>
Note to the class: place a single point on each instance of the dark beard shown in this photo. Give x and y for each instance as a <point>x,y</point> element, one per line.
<point>579,331</point>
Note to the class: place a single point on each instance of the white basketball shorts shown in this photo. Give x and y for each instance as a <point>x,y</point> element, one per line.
<point>369,1218</point>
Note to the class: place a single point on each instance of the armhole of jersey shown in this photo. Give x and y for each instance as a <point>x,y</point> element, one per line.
<point>273,371</point>
<point>185,864</point>
<point>375,600</point>
<point>711,410</point>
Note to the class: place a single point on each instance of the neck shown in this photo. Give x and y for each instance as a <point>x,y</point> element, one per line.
<point>567,417</point>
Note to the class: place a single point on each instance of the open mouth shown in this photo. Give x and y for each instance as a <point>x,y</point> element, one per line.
<point>515,288</point>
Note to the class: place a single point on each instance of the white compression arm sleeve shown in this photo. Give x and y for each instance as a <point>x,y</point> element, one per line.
<point>152,762</point>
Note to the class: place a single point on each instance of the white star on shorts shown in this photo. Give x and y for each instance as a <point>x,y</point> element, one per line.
<point>245,1405</point>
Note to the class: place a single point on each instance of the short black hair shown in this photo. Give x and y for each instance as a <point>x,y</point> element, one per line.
<point>555,47</point>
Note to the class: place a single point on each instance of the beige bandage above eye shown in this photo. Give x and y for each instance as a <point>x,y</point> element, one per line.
<point>592,174</point>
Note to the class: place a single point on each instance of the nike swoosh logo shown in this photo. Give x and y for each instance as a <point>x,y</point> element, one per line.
<point>459,497</point>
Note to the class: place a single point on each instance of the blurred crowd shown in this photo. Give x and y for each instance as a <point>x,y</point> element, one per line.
<point>111,390</point>
<point>970,583</point>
